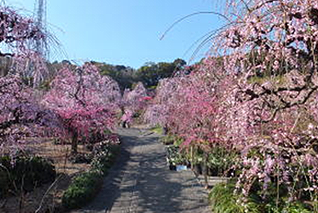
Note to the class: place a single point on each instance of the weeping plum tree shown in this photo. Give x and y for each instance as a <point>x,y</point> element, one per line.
<point>156,113</point>
<point>133,102</point>
<point>271,47</point>
<point>262,100</point>
<point>21,116</point>
<point>17,34</point>
<point>85,101</point>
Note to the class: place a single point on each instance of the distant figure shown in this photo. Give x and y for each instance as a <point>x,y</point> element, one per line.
<point>165,130</point>
<point>126,118</point>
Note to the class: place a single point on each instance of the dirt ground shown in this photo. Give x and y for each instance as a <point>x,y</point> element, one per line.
<point>49,195</point>
<point>59,154</point>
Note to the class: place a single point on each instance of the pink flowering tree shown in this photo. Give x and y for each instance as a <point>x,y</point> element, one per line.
<point>262,100</point>
<point>270,50</point>
<point>21,116</point>
<point>270,119</point>
<point>19,33</point>
<point>156,113</point>
<point>134,99</point>
<point>186,105</point>
<point>85,101</point>
<point>133,102</point>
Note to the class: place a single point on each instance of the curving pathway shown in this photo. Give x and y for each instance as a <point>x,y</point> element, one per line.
<point>140,181</point>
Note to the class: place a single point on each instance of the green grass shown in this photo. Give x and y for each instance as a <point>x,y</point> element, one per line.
<point>157,129</point>
<point>223,200</point>
<point>170,139</point>
<point>278,80</point>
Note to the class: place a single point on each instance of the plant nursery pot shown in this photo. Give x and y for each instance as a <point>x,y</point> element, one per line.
<point>172,167</point>
<point>168,143</point>
<point>197,169</point>
<point>231,173</point>
<point>212,172</point>
<point>181,167</point>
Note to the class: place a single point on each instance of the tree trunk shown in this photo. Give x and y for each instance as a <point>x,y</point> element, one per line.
<point>205,170</point>
<point>74,142</point>
<point>192,157</point>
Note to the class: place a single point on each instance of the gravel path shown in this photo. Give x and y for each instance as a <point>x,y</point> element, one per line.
<point>140,181</point>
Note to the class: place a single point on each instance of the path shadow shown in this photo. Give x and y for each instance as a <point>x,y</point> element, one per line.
<point>110,190</point>
<point>140,180</point>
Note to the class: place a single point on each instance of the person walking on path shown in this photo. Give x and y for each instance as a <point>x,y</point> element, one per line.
<point>126,119</point>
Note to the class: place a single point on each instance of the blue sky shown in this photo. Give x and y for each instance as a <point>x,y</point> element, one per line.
<point>125,32</point>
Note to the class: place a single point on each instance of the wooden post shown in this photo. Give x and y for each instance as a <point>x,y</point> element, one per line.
<point>205,170</point>
<point>192,157</point>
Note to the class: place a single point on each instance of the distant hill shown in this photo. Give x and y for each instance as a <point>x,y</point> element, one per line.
<point>149,74</point>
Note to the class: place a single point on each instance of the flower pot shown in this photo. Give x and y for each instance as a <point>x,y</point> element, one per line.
<point>197,169</point>
<point>172,167</point>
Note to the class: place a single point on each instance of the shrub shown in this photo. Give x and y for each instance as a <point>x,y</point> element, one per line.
<point>81,158</point>
<point>174,157</point>
<point>82,190</point>
<point>167,140</point>
<point>157,129</point>
<point>220,161</point>
<point>4,182</point>
<point>24,172</point>
<point>171,139</point>
<point>104,156</point>
<point>85,186</point>
<point>223,200</point>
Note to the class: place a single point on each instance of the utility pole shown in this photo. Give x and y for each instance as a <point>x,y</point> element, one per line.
<point>40,12</point>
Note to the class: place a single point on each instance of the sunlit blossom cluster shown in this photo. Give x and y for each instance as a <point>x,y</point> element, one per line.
<point>258,98</point>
